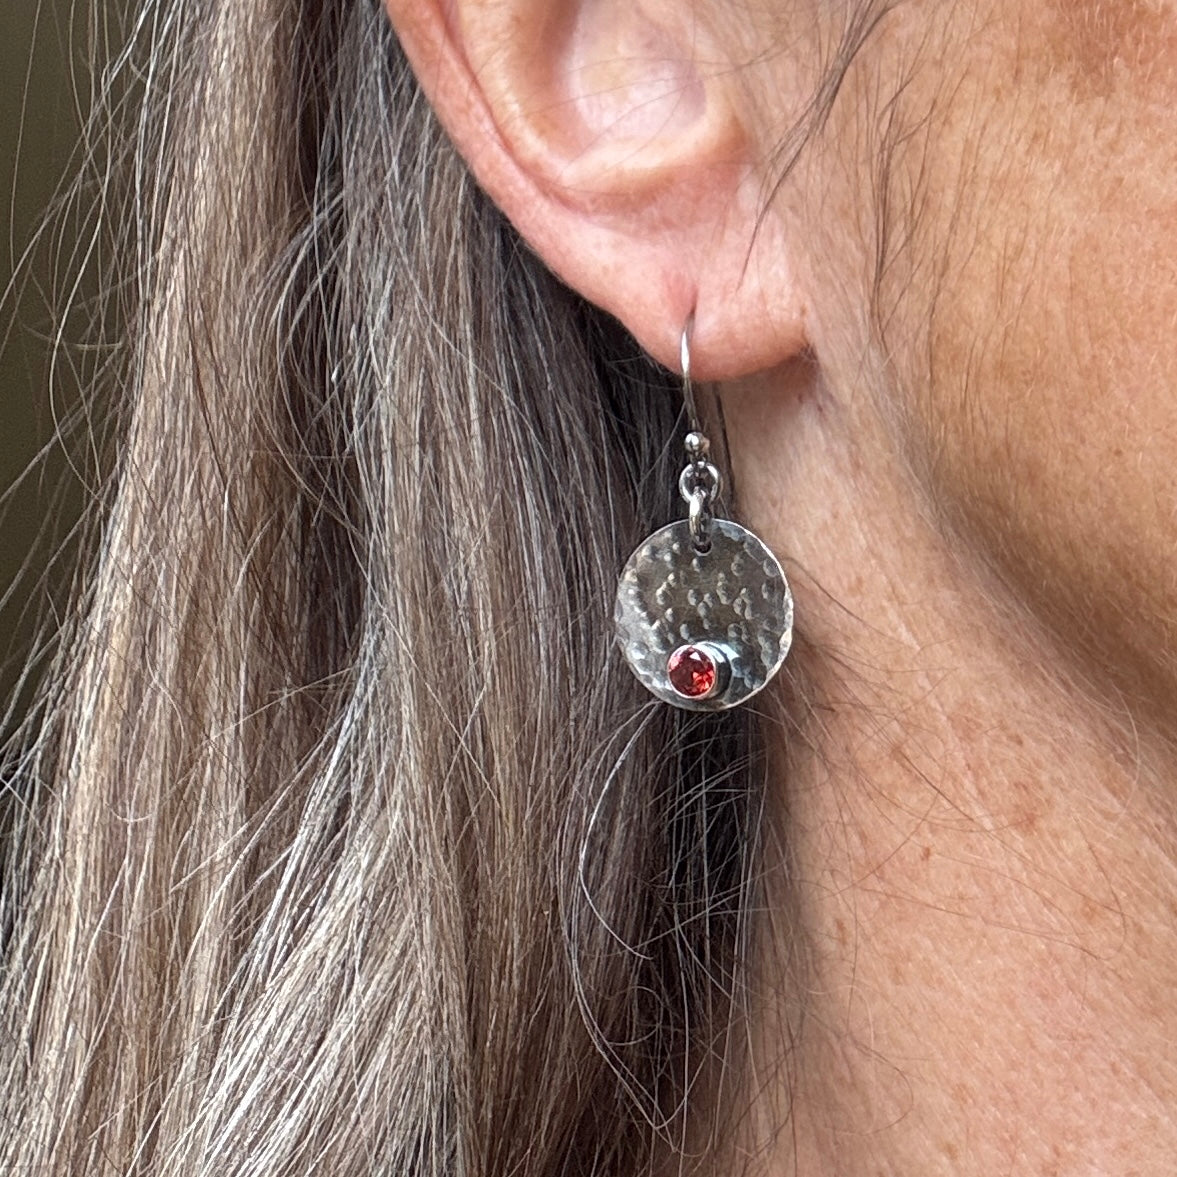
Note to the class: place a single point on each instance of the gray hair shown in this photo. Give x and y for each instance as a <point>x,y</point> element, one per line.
<point>344,842</point>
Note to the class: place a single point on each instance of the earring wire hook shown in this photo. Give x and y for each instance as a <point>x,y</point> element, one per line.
<point>688,387</point>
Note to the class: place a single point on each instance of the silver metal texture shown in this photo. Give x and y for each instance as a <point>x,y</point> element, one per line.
<point>699,485</point>
<point>733,596</point>
<point>688,387</point>
<point>700,477</point>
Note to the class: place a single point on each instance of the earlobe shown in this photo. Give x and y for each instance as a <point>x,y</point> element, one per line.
<point>611,133</point>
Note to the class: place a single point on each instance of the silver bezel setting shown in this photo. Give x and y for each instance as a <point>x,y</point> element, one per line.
<point>734,597</point>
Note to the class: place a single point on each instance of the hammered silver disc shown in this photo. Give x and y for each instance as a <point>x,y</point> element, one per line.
<point>734,596</point>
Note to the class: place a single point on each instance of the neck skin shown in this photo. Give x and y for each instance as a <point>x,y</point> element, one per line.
<point>975,973</point>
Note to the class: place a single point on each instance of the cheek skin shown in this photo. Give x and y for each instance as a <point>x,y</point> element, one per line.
<point>1098,45</point>
<point>1046,398</point>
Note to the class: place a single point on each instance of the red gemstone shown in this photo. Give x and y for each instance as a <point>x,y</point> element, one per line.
<point>692,672</point>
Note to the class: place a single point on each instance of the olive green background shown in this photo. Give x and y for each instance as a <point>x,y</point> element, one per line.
<point>39,127</point>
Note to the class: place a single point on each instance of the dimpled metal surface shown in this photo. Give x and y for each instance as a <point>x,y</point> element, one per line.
<point>734,596</point>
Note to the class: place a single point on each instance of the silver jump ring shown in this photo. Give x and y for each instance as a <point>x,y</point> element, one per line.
<point>699,476</point>
<point>700,519</point>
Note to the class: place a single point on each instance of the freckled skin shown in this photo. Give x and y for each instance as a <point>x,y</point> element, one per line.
<point>1099,43</point>
<point>1038,267</point>
<point>958,428</point>
<point>980,469</point>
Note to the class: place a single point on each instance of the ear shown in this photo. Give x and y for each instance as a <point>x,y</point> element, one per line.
<point>613,134</point>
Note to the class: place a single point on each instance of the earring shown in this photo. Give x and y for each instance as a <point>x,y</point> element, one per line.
<point>704,614</point>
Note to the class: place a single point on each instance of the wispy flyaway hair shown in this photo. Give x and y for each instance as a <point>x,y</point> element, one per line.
<point>343,842</point>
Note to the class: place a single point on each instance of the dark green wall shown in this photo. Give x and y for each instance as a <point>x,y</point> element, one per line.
<point>38,130</point>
